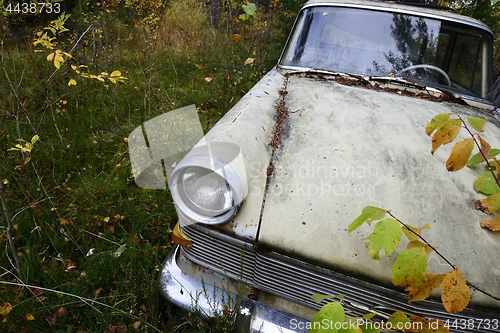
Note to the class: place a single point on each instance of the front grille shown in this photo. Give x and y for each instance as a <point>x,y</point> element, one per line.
<point>296,281</point>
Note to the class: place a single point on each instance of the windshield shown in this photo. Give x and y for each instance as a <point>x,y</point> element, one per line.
<point>376,43</point>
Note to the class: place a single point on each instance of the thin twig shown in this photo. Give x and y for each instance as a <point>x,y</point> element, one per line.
<point>422,239</point>
<point>440,255</point>
<point>66,58</point>
<point>490,168</point>
<point>10,239</point>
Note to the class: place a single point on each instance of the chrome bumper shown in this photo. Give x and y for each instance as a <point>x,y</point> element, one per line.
<point>193,294</point>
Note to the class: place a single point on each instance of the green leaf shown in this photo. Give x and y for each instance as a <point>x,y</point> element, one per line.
<point>318,298</point>
<point>368,215</point>
<point>490,204</point>
<point>436,122</point>
<point>333,314</point>
<point>409,267</point>
<point>475,158</point>
<point>386,235</point>
<point>486,183</point>
<point>398,317</point>
<point>250,9</point>
<point>477,123</point>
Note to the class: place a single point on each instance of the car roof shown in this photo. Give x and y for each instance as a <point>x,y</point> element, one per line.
<point>413,8</point>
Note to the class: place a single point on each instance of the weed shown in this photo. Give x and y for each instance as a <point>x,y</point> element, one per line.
<point>89,242</point>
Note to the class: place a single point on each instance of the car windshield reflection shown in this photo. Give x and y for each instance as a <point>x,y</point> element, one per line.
<point>377,43</point>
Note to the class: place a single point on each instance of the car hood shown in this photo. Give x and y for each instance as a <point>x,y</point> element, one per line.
<point>343,148</point>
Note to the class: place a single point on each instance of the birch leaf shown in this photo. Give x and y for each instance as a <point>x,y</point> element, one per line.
<point>386,236</point>
<point>332,313</point>
<point>436,122</point>
<point>490,204</point>
<point>429,282</point>
<point>446,133</point>
<point>460,154</point>
<point>477,123</point>
<point>368,214</point>
<point>486,183</point>
<point>493,225</point>
<point>409,267</point>
<point>485,149</point>
<point>475,158</point>
<point>456,292</point>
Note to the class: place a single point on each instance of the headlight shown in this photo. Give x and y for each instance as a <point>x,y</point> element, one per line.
<point>209,184</point>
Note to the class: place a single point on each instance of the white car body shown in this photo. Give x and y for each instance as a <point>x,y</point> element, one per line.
<point>318,144</point>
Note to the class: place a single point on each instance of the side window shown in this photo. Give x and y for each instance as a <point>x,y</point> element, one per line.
<point>465,65</point>
<point>442,47</point>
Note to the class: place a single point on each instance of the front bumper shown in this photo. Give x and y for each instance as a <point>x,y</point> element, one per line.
<point>208,297</point>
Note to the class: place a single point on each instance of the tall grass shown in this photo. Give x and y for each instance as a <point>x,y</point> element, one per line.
<point>90,243</point>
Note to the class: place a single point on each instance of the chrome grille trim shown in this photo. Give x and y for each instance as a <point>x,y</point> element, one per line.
<point>296,281</point>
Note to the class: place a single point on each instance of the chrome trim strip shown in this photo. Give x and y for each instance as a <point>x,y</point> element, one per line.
<point>296,280</point>
<point>192,294</point>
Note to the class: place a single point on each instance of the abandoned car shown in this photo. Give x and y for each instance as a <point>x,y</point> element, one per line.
<point>265,199</point>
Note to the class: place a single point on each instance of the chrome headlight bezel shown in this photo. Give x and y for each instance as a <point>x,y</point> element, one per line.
<point>219,165</point>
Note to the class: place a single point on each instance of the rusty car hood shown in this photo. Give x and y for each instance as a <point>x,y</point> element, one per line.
<point>343,148</point>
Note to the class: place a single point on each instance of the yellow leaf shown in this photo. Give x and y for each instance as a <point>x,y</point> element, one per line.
<point>179,238</point>
<point>460,154</point>
<point>249,61</point>
<point>29,316</point>
<point>493,225</point>
<point>485,149</point>
<point>497,165</point>
<point>72,82</point>
<point>429,282</point>
<point>416,243</point>
<point>112,80</point>
<point>456,293</point>
<point>235,38</point>
<point>208,79</point>
<point>446,133</point>
<point>116,73</point>
<point>5,308</point>
<point>50,57</point>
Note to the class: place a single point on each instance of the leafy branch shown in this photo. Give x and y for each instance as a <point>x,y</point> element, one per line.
<point>445,129</point>
<point>59,57</point>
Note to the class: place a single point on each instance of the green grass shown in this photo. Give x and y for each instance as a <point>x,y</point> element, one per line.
<point>90,241</point>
